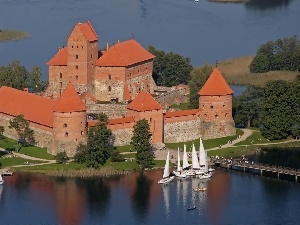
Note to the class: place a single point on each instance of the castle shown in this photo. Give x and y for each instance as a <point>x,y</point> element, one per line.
<point>121,73</point>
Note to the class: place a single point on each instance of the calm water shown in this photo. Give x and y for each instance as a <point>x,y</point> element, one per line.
<point>231,198</point>
<point>203,31</point>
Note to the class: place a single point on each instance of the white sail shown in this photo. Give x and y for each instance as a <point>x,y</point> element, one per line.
<point>195,162</point>
<point>185,159</point>
<point>1,178</point>
<point>206,164</point>
<point>167,169</point>
<point>178,162</point>
<point>202,157</point>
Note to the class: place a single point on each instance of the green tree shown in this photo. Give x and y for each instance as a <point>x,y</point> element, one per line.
<point>81,154</point>
<point>17,75</point>
<point>276,114</point>
<point>140,142</point>
<point>35,80</point>
<point>295,100</point>
<point>246,107</point>
<point>100,143</point>
<point>198,78</point>
<point>21,125</point>
<point>116,156</point>
<point>170,69</point>
<point>1,132</point>
<point>260,64</point>
<point>62,157</point>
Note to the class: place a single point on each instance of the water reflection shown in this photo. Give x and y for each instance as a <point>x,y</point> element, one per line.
<point>1,189</point>
<point>141,196</point>
<point>267,4</point>
<point>217,196</point>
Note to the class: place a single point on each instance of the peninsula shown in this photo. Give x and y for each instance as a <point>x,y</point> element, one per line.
<point>12,35</point>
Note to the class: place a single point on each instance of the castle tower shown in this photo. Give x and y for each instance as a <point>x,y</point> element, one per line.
<point>144,106</point>
<point>69,122</point>
<point>74,63</point>
<point>215,107</point>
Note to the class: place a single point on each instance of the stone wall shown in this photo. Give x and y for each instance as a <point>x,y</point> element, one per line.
<point>212,129</point>
<point>64,146</point>
<point>173,97</point>
<point>43,137</point>
<point>111,110</point>
<point>181,131</point>
<point>122,136</point>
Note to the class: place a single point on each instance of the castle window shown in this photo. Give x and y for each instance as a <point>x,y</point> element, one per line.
<point>65,125</point>
<point>150,120</point>
<point>72,46</point>
<point>60,75</point>
<point>216,116</point>
<point>226,114</point>
<point>77,46</point>
<point>205,115</point>
<point>91,56</point>
<point>109,88</point>
<point>66,134</point>
<point>60,84</point>
<point>76,56</point>
<point>81,47</point>
<point>76,77</point>
<point>76,67</point>
<point>109,76</point>
<point>81,133</point>
<point>223,105</point>
<point>211,106</point>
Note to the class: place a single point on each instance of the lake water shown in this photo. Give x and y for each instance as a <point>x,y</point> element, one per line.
<point>231,199</point>
<point>203,31</point>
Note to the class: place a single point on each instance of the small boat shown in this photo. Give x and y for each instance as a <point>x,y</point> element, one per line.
<point>196,1</point>
<point>191,208</point>
<point>179,173</point>
<point>166,176</point>
<point>1,180</point>
<point>200,189</point>
<point>205,176</point>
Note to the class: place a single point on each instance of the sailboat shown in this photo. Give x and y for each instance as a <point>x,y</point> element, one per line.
<point>203,162</point>
<point>179,173</point>
<point>166,176</point>
<point>195,162</point>
<point>1,180</point>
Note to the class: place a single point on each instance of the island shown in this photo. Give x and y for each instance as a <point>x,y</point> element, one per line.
<point>12,35</point>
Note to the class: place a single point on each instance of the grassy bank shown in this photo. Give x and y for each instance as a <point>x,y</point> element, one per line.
<point>236,71</point>
<point>12,35</point>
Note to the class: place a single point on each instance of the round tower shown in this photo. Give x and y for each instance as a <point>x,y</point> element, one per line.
<point>215,107</point>
<point>69,122</point>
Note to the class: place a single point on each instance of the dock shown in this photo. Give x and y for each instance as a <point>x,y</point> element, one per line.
<point>278,172</point>
<point>6,172</point>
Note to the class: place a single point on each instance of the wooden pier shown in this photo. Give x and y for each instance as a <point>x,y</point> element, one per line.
<point>6,172</point>
<point>282,173</point>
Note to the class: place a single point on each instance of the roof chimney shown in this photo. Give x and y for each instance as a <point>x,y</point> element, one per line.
<point>107,46</point>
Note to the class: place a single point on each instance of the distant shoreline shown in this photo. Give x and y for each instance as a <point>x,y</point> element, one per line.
<point>12,35</point>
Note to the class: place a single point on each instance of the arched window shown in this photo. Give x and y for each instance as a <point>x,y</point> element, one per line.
<point>66,134</point>
<point>109,76</point>
<point>65,125</point>
<point>60,75</point>
<point>76,56</point>
<point>216,116</point>
<point>211,107</point>
<point>76,67</point>
<point>81,133</point>
<point>76,77</point>
<point>109,88</point>
<point>226,114</point>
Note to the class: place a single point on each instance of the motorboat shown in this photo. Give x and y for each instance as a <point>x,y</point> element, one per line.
<point>200,189</point>
<point>191,208</point>
<point>166,176</point>
<point>205,176</point>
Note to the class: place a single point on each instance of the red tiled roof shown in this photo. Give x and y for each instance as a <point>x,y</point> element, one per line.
<point>127,95</point>
<point>144,102</point>
<point>181,113</point>
<point>60,59</point>
<point>124,54</point>
<point>121,120</point>
<point>145,81</point>
<point>215,85</point>
<point>69,101</point>
<point>92,97</point>
<point>35,108</point>
<point>136,84</point>
<point>92,123</point>
<point>88,31</point>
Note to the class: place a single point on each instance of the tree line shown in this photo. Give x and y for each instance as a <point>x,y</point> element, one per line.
<point>282,54</point>
<point>275,109</point>
<point>17,76</point>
